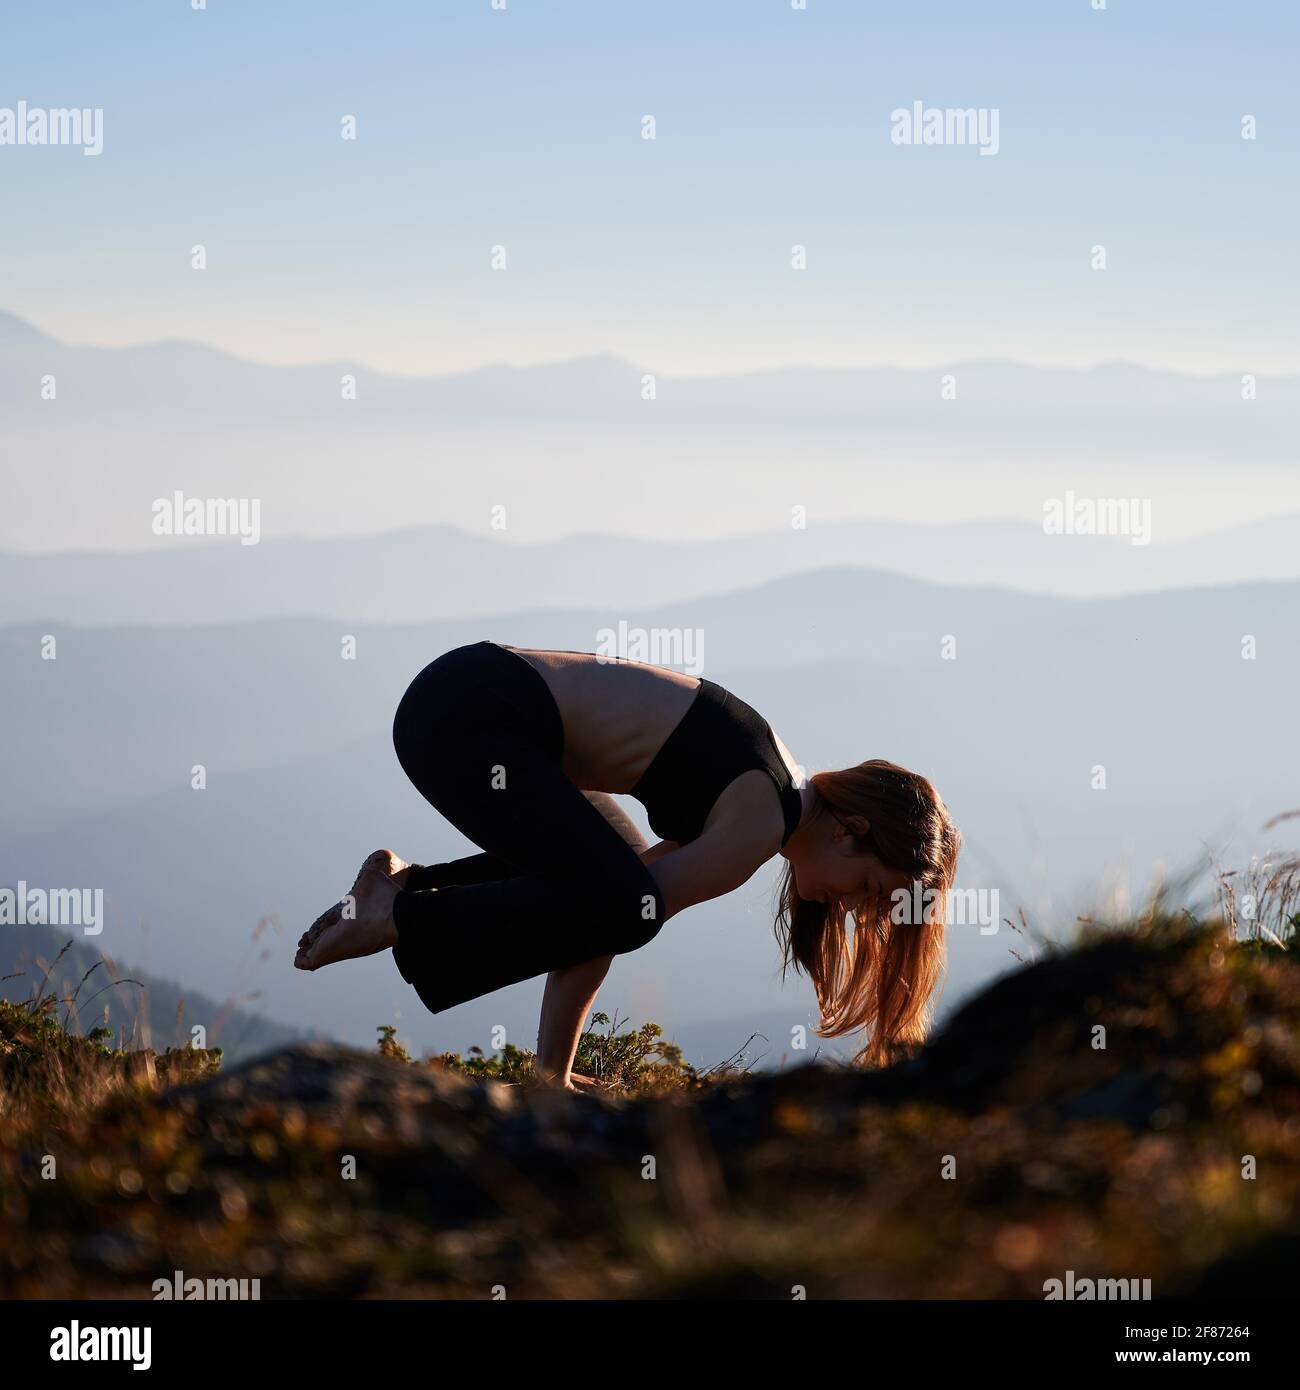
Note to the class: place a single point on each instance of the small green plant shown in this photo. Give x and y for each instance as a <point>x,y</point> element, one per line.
<point>389,1046</point>
<point>633,1062</point>
<point>512,1064</point>
<point>610,1056</point>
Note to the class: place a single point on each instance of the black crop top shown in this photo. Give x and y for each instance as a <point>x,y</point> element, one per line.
<point>719,738</point>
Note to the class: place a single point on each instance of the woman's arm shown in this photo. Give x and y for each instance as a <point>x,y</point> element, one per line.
<point>743,832</point>
<point>569,995</point>
<point>566,1003</point>
<point>721,859</point>
<point>715,864</point>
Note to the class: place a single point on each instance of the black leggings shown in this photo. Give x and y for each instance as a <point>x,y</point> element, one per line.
<point>479,734</point>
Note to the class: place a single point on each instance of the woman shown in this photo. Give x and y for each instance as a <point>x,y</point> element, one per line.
<point>519,749</point>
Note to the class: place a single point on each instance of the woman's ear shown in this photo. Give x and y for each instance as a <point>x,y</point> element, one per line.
<point>857,826</point>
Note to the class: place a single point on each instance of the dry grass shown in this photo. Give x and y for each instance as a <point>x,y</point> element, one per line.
<point>1262,901</point>
<point>50,1076</point>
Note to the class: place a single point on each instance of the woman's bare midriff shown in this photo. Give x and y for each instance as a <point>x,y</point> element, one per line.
<point>617,714</point>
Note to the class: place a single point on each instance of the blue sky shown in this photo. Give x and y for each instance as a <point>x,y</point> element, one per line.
<point>521,128</point>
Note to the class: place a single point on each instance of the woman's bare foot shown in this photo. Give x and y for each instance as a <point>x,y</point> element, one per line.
<point>382,859</point>
<point>362,923</point>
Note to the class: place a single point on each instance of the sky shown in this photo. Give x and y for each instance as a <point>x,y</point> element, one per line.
<point>522,128</point>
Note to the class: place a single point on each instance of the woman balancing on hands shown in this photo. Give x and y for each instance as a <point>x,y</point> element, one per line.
<point>519,749</point>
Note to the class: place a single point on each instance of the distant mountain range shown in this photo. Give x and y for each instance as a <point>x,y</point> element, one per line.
<point>94,435</point>
<point>174,376</point>
<point>437,573</point>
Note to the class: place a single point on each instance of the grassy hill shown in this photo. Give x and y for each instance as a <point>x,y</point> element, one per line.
<point>1127,1108</point>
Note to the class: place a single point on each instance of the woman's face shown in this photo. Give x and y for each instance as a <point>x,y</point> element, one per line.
<point>831,866</point>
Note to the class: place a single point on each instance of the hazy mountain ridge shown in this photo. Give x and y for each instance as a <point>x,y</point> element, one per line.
<point>177,375</point>
<point>95,436</point>
<point>434,573</point>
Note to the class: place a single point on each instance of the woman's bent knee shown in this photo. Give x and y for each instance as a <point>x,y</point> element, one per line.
<point>627,914</point>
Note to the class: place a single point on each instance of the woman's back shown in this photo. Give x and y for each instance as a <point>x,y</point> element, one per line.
<point>617,714</point>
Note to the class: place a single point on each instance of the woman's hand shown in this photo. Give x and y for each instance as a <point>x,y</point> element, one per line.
<point>587,1085</point>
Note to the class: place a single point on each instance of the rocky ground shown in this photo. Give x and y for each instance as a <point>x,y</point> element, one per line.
<point>1021,1143</point>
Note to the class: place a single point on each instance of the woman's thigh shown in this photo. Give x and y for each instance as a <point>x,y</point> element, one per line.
<point>510,796</point>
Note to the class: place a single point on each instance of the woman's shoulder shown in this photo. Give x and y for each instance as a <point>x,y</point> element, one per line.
<point>747,813</point>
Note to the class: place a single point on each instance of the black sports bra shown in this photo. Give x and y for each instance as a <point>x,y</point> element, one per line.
<point>718,738</point>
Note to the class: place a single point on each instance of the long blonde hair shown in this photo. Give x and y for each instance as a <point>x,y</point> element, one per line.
<point>883,979</point>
